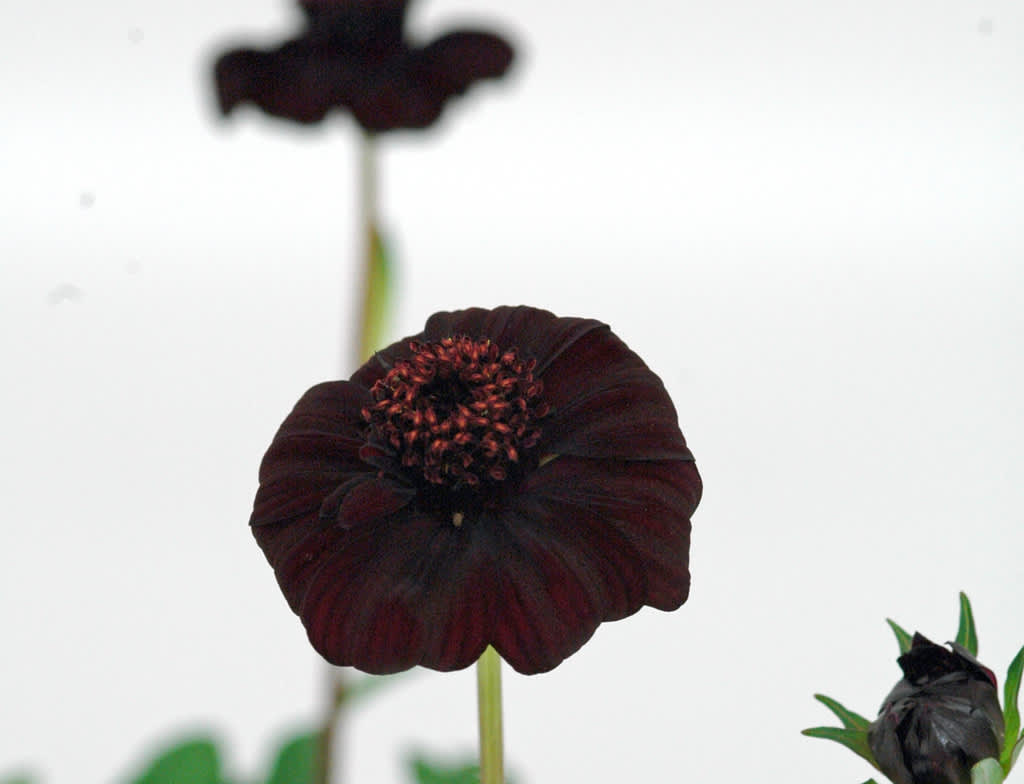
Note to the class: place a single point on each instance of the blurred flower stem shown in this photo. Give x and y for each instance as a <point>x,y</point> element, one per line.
<point>488,682</point>
<point>373,303</point>
<point>372,314</point>
<point>338,694</point>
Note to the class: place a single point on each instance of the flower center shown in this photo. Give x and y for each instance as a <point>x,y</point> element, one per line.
<point>461,411</point>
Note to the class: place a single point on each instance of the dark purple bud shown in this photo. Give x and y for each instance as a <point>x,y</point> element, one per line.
<point>940,719</point>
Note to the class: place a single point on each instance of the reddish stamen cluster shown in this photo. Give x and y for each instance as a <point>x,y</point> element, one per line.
<point>462,411</point>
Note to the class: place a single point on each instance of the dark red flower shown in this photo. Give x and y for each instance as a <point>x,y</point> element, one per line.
<point>353,55</point>
<point>941,719</point>
<point>505,478</point>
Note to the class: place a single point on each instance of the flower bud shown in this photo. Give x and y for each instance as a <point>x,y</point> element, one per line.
<point>940,719</point>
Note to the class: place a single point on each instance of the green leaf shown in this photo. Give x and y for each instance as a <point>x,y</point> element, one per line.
<point>194,761</point>
<point>988,771</point>
<point>870,781</point>
<point>425,772</point>
<point>902,638</point>
<point>1016,751</point>
<point>20,779</point>
<point>855,740</point>
<point>967,634</point>
<point>377,302</point>
<point>850,720</point>
<point>1011,713</point>
<point>296,760</point>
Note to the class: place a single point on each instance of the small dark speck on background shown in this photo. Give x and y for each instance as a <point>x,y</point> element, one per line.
<point>135,35</point>
<point>985,26</point>
<point>86,199</point>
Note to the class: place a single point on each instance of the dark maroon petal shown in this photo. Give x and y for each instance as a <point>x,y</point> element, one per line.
<point>315,449</point>
<point>454,61</point>
<point>553,587</point>
<point>461,607</point>
<point>233,75</point>
<point>536,334</point>
<point>332,408</point>
<point>396,100</point>
<point>648,504</point>
<point>289,82</point>
<point>377,366</point>
<point>372,499</point>
<point>364,605</point>
<point>354,6</point>
<point>606,403</point>
<point>296,551</point>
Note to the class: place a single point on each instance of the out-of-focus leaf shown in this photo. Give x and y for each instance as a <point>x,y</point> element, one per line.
<point>296,760</point>
<point>855,740</point>
<point>194,761</point>
<point>903,639</point>
<point>967,634</point>
<point>425,772</point>
<point>850,720</point>
<point>20,779</point>
<point>988,771</point>
<point>1011,713</point>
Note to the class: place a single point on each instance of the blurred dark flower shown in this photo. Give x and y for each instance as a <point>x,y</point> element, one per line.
<point>353,55</point>
<point>505,477</point>
<point>940,719</point>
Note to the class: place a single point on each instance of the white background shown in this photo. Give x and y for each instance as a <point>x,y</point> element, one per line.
<point>805,216</point>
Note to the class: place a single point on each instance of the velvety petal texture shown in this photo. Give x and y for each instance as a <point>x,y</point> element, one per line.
<point>506,477</point>
<point>352,55</point>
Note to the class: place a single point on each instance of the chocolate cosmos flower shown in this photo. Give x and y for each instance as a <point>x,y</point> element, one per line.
<point>353,55</point>
<point>940,719</point>
<point>505,478</point>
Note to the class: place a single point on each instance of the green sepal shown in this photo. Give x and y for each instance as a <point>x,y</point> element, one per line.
<point>903,639</point>
<point>870,781</point>
<point>195,761</point>
<point>296,760</point>
<point>855,740</point>
<point>425,772</point>
<point>850,720</point>
<point>967,634</point>
<point>988,771</point>
<point>1011,713</point>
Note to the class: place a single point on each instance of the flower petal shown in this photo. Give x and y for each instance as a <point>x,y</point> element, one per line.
<point>457,59</point>
<point>296,551</point>
<point>364,605</point>
<point>314,450</point>
<point>372,499</point>
<point>551,592</point>
<point>288,82</point>
<point>606,403</point>
<point>537,334</point>
<point>648,504</point>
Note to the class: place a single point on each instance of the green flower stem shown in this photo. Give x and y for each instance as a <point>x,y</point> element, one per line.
<point>371,299</point>
<point>488,683</point>
<point>338,694</point>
